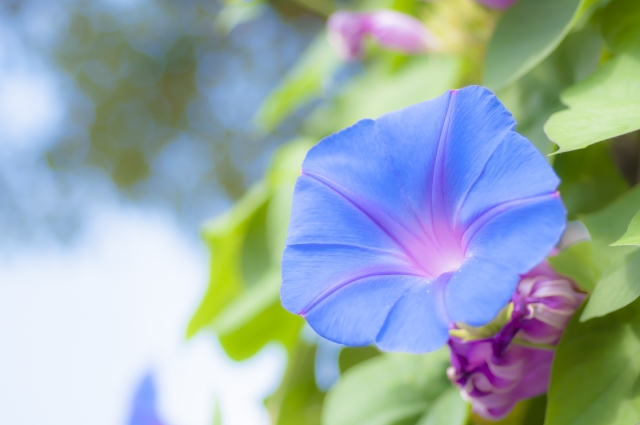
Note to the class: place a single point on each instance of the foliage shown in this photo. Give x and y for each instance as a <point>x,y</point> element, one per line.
<point>569,70</point>
<point>528,33</point>
<point>595,372</point>
<point>632,235</point>
<point>242,303</point>
<point>396,388</point>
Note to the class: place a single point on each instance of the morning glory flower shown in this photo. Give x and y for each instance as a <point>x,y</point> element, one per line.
<point>425,217</point>
<point>392,30</point>
<point>493,373</point>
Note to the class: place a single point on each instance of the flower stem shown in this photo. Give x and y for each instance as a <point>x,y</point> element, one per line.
<point>546,347</point>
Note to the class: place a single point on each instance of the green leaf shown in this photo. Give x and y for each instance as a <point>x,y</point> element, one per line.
<point>534,97</point>
<point>235,13</point>
<point>609,224</point>
<point>225,237</point>
<point>287,162</point>
<point>596,370</point>
<point>621,26</point>
<point>297,401</point>
<point>604,105</point>
<point>618,287</point>
<point>619,284</point>
<point>589,179</point>
<point>301,85</point>
<point>526,34</point>
<point>352,356</point>
<point>242,303</point>
<point>255,318</point>
<point>576,262</point>
<point>382,89</point>
<point>217,413</point>
<point>393,389</point>
<point>448,409</point>
<point>632,235</point>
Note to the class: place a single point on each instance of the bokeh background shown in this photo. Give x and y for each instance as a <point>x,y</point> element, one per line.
<point>148,151</point>
<point>124,125</point>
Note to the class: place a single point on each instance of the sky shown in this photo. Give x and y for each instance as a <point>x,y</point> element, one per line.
<point>83,320</point>
<point>82,324</point>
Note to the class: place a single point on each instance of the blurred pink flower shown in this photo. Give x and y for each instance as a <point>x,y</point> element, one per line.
<point>392,30</point>
<point>492,373</point>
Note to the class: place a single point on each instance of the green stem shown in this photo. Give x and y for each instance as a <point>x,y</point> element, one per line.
<point>546,347</point>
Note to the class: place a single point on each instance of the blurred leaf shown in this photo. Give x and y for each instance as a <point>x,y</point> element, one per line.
<point>235,13</point>
<point>298,401</point>
<point>596,370</point>
<point>525,412</point>
<point>242,303</point>
<point>632,235</point>
<point>322,7</point>
<point>217,413</point>
<point>286,163</point>
<point>526,34</point>
<point>609,224</point>
<point>621,26</point>
<point>255,318</point>
<point>619,284</point>
<point>534,97</point>
<point>351,356</point>
<point>589,179</point>
<point>604,105</point>
<point>225,236</point>
<point>576,262</point>
<point>301,85</point>
<point>393,389</point>
<point>382,89</point>
<point>618,287</point>
<point>448,409</point>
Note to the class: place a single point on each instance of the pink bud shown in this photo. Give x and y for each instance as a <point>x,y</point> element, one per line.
<point>391,29</point>
<point>345,31</point>
<point>550,301</point>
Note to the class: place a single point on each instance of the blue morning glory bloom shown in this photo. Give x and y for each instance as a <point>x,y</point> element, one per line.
<point>425,217</point>
<point>144,410</point>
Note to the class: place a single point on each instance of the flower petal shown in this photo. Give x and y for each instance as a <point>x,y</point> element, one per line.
<point>356,159</point>
<point>518,234</point>
<point>515,170</point>
<point>354,314</point>
<point>411,138</point>
<point>476,126</point>
<point>478,291</point>
<point>320,214</point>
<point>417,323</point>
<point>327,269</point>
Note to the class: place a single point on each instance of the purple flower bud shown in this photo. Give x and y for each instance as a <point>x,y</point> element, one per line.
<point>494,385</point>
<point>549,301</point>
<point>393,30</point>
<point>494,373</point>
